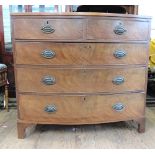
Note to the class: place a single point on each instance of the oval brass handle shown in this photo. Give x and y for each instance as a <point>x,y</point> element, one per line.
<point>119,54</point>
<point>118,107</point>
<point>48,80</point>
<point>50,108</point>
<point>118,80</point>
<point>119,29</point>
<point>47,29</point>
<point>48,54</point>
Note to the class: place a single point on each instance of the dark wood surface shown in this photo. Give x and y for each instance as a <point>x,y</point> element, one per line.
<point>83,68</point>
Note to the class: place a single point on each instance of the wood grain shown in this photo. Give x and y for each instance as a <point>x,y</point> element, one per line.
<point>83,67</point>
<point>80,80</point>
<point>80,109</point>
<point>79,53</point>
<point>64,29</point>
<point>75,30</point>
<point>104,29</point>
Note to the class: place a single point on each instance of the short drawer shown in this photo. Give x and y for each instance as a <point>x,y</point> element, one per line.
<point>79,53</point>
<point>55,29</point>
<point>79,80</point>
<point>82,109</point>
<point>117,30</point>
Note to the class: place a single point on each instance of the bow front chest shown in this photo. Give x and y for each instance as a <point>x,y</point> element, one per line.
<point>80,68</point>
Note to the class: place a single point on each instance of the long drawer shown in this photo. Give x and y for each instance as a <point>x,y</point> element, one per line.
<point>57,29</point>
<point>80,109</point>
<point>77,80</point>
<point>79,53</point>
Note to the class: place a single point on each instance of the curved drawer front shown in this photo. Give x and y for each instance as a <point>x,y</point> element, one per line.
<point>80,80</point>
<point>79,53</point>
<point>117,30</point>
<point>57,29</point>
<point>80,109</point>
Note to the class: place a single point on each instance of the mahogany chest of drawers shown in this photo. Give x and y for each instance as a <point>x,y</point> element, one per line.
<point>80,68</point>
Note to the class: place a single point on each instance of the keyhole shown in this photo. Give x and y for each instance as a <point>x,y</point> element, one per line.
<point>84,71</point>
<point>87,46</point>
<point>84,98</point>
<point>47,22</point>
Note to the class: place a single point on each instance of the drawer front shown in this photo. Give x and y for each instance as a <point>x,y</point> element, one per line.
<point>56,29</point>
<point>80,80</point>
<point>80,109</point>
<point>117,30</point>
<point>80,53</point>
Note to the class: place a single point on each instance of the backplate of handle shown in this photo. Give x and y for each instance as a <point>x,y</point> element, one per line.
<point>47,29</point>
<point>48,54</point>
<point>119,29</point>
<point>118,107</point>
<point>118,80</point>
<point>48,80</point>
<point>50,108</point>
<point>119,54</point>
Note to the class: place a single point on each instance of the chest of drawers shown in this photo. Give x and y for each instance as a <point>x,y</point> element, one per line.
<point>80,68</point>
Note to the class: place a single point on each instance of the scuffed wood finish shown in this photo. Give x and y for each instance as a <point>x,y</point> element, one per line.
<point>79,53</point>
<point>75,15</point>
<point>141,125</point>
<point>83,66</point>
<point>64,29</point>
<point>80,80</point>
<point>21,127</point>
<point>82,109</point>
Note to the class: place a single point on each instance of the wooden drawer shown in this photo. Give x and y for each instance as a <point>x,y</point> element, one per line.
<point>80,80</point>
<point>117,30</point>
<point>79,53</point>
<point>63,29</point>
<point>80,109</point>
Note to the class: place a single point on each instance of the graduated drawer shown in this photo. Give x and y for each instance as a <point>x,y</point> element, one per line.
<point>79,53</point>
<point>80,80</point>
<point>81,109</point>
<point>117,30</point>
<point>57,29</point>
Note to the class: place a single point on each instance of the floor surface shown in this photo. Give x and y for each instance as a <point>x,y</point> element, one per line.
<point>110,135</point>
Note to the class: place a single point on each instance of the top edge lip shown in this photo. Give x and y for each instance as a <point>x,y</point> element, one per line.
<point>80,14</point>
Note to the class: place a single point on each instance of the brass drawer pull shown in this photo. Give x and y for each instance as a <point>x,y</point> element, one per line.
<point>47,29</point>
<point>50,109</point>
<point>118,80</point>
<point>48,80</point>
<point>119,54</point>
<point>48,54</point>
<point>118,107</point>
<point>119,29</point>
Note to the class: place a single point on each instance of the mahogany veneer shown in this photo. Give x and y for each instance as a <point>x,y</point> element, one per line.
<point>80,68</point>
